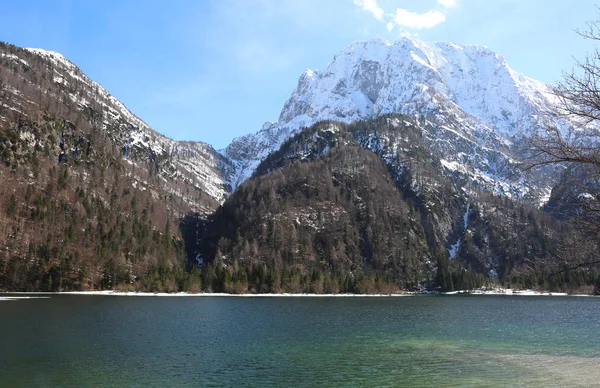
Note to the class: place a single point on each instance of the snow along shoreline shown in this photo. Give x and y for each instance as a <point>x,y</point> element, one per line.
<point>201,294</point>
<point>496,291</point>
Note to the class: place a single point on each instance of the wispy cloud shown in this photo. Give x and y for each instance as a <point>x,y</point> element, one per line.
<point>405,20</point>
<point>447,3</point>
<point>371,7</point>
<point>418,21</point>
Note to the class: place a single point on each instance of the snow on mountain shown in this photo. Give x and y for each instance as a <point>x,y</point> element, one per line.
<point>63,64</point>
<point>182,165</point>
<point>472,107</point>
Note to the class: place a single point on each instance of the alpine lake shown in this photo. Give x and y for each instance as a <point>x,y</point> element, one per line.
<point>205,341</point>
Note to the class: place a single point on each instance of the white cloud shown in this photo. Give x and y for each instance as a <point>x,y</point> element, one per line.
<point>403,19</point>
<point>371,7</point>
<point>447,3</point>
<point>418,21</point>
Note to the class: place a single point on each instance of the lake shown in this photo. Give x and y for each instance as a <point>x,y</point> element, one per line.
<point>418,341</point>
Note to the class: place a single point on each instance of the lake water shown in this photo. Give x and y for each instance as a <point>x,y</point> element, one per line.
<point>420,341</point>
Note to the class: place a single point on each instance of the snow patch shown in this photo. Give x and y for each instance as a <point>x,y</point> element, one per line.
<point>454,248</point>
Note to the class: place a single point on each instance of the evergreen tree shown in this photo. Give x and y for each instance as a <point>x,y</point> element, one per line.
<point>12,206</point>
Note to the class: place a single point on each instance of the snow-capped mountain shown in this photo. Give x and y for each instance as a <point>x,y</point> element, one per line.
<point>89,188</point>
<point>188,170</point>
<point>473,107</point>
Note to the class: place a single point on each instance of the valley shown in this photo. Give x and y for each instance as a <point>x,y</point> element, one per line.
<point>398,167</point>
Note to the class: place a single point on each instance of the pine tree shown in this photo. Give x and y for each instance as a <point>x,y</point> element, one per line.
<point>12,206</point>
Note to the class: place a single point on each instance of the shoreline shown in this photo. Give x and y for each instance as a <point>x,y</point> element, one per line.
<point>203,294</point>
<point>493,292</point>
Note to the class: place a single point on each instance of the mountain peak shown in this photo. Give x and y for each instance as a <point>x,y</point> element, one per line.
<point>54,56</point>
<point>374,77</point>
<point>467,89</point>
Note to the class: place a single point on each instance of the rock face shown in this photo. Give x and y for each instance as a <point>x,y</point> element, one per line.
<point>474,108</point>
<point>382,166</point>
<point>188,170</point>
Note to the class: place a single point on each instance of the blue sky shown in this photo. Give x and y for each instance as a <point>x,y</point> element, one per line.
<point>211,70</point>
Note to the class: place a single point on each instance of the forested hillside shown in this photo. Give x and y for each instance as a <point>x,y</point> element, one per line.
<point>78,209</point>
<point>92,198</point>
<point>332,218</point>
<point>368,207</point>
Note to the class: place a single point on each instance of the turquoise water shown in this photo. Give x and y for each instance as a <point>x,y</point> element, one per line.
<point>421,341</point>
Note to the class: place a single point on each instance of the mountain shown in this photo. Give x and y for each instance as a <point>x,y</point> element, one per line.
<point>320,215</point>
<point>449,122</point>
<point>52,84</point>
<point>395,168</point>
<point>368,207</point>
<point>474,108</point>
<point>91,197</point>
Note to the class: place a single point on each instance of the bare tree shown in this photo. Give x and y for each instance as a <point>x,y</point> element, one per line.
<point>578,96</point>
<point>574,149</point>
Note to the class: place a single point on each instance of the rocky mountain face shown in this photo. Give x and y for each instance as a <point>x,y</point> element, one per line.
<point>393,168</point>
<point>37,82</point>
<point>473,108</point>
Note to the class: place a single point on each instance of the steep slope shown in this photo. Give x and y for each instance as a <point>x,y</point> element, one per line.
<point>366,201</point>
<point>336,214</point>
<point>415,168</point>
<point>90,196</point>
<point>372,199</point>
<point>36,81</point>
<point>472,106</point>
